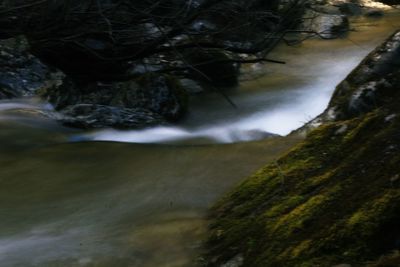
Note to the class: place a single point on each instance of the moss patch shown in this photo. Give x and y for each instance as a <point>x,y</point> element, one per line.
<point>333,199</point>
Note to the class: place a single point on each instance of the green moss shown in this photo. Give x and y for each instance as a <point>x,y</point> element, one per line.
<point>286,204</point>
<point>332,199</point>
<point>328,201</point>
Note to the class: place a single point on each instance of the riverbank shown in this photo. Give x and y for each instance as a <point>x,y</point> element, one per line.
<point>333,200</point>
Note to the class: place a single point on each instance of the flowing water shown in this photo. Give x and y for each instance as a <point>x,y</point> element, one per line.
<point>279,101</point>
<point>66,203</point>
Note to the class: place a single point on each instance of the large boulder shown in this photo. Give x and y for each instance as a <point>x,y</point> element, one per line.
<point>159,97</point>
<point>334,199</point>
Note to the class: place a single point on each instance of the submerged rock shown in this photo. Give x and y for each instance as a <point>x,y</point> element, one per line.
<point>333,199</point>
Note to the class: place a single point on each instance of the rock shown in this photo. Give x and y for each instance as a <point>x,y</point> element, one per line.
<point>342,129</point>
<point>365,89</point>
<point>100,116</point>
<point>351,9</point>
<point>321,2</point>
<point>235,262</point>
<point>22,74</point>
<point>374,12</point>
<point>212,67</point>
<point>363,99</point>
<point>7,92</point>
<point>327,9</point>
<point>159,94</point>
<point>394,179</point>
<point>191,86</point>
<point>330,26</point>
<point>390,117</point>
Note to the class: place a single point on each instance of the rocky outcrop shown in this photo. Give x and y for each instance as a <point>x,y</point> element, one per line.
<point>333,200</point>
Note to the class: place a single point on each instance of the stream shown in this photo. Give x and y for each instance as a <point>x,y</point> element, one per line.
<point>74,198</point>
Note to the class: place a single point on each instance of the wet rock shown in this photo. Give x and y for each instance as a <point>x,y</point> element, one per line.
<point>374,12</point>
<point>162,95</point>
<point>191,86</point>
<point>351,9</point>
<point>21,73</point>
<point>327,9</point>
<point>365,89</point>
<point>330,26</point>
<point>235,262</point>
<point>212,67</point>
<point>390,117</point>
<point>363,99</point>
<point>100,116</point>
<point>321,2</point>
<point>7,92</point>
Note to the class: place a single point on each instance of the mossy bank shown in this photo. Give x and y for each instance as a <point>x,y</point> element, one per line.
<point>333,199</point>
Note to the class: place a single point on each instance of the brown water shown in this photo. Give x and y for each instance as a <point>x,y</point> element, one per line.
<point>110,204</point>
<point>119,204</point>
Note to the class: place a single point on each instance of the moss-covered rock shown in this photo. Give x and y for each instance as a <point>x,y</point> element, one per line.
<point>333,199</point>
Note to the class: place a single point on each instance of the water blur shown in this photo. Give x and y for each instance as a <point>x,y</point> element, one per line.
<point>105,204</point>
<point>278,100</point>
